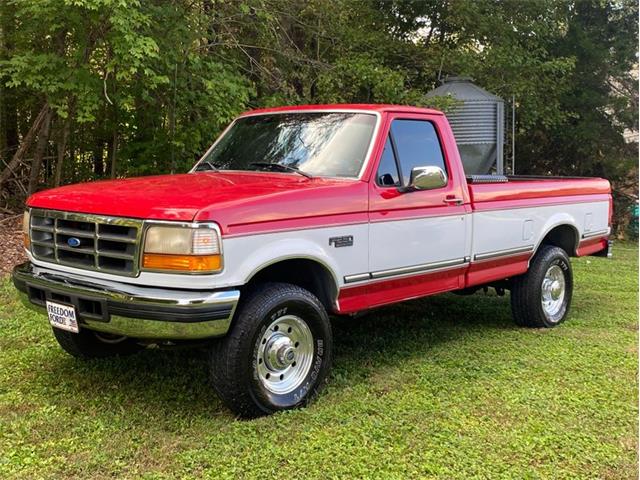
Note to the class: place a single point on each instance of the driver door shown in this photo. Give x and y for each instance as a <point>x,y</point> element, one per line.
<point>417,239</point>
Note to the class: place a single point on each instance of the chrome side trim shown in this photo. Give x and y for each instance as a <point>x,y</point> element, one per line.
<point>413,269</point>
<point>427,267</point>
<point>358,277</point>
<point>392,272</point>
<point>503,253</point>
<point>598,233</point>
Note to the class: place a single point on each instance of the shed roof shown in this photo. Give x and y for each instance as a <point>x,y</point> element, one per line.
<point>463,88</point>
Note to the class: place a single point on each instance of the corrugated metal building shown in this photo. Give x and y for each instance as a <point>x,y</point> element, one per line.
<point>477,123</point>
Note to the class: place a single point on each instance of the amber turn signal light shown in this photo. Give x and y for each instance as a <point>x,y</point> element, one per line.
<point>183,263</point>
<point>26,220</point>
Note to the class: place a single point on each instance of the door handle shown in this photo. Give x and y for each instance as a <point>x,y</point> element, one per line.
<point>453,200</point>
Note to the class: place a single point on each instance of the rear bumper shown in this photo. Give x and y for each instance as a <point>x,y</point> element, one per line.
<point>607,252</point>
<point>130,310</point>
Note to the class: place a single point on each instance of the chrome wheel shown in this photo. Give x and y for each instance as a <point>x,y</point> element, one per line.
<point>285,354</point>
<point>553,291</point>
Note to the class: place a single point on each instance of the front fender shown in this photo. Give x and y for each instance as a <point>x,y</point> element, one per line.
<point>287,250</point>
<point>246,255</point>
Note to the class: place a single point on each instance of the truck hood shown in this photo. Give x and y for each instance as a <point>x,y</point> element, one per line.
<point>240,197</point>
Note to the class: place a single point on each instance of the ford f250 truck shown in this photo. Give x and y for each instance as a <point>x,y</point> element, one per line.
<point>292,215</point>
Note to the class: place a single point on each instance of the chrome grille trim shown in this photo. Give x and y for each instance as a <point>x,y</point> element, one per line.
<point>106,244</point>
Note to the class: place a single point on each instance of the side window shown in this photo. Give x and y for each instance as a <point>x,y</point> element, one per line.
<point>387,175</point>
<point>417,145</point>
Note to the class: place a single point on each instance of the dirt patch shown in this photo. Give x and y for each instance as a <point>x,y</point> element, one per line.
<point>11,249</point>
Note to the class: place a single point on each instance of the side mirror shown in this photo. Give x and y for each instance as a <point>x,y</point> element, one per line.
<point>427,178</point>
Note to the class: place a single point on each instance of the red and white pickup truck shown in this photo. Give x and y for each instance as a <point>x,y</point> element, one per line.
<point>295,214</point>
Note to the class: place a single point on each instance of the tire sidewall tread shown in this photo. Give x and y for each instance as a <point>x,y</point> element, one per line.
<point>526,291</point>
<point>232,358</point>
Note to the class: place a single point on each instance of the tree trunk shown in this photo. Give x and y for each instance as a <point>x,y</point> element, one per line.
<point>41,147</point>
<point>113,159</point>
<point>12,137</point>
<point>98,161</point>
<point>9,138</point>
<point>24,146</point>
<point>62,146</point>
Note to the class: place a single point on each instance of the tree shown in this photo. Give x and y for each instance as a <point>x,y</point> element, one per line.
<point>143,87</point>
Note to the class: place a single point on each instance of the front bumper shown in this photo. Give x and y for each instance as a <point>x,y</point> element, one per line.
<point>129,310</point>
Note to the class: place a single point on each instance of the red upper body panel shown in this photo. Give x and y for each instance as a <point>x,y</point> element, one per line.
<point>246,202</point>
<point>227,197</point>
<point>537,188</point>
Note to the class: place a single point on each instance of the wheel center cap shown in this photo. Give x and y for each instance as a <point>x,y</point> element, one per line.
<point>556,290</point>
<point>280,352</point>
<point>289,355</point>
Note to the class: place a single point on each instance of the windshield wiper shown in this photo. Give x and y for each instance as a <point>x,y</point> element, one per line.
<point>279,166</point>
<point>208,164</point>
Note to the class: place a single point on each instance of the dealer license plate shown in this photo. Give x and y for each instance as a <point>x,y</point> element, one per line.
<point>62,316</point>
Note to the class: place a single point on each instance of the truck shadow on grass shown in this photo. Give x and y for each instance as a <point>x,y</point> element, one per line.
<point>175,382</point>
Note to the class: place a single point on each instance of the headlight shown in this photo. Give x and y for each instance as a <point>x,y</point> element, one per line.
<point>25,229</point>
<point>191,248</point>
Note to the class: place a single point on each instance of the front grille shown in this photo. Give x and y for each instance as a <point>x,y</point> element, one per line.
<point>92,242</point>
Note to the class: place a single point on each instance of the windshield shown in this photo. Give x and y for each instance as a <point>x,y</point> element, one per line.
<point>328,144</point>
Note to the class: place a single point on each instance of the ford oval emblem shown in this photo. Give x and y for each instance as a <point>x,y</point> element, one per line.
<point>73,242</point>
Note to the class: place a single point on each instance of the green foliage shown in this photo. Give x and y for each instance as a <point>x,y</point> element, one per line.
<point>442,103</point>
<point>362,79</point>
<point>445,387</point>
<point>152,83</point>
<point>67,52</point>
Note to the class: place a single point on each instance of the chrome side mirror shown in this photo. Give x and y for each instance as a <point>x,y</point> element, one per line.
<point>427,178</point>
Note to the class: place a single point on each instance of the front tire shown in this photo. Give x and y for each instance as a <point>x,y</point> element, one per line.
<point>541,297</point>
<point>87,344</point>
<point>277,356</point>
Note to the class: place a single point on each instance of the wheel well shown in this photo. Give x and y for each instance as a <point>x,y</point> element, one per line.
<point>308,274</point>
<point>563,236</point>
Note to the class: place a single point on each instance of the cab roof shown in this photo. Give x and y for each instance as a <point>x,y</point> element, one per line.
<point>364,107</point>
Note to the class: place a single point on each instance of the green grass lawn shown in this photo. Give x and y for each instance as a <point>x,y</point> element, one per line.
<point>444,387</point>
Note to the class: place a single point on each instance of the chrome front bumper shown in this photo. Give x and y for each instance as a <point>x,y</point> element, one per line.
<point>130,310</point>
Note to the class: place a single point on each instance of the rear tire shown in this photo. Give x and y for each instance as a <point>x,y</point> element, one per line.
<point>277,356</point>
<point>541,297</point>
<point>88,344</point>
